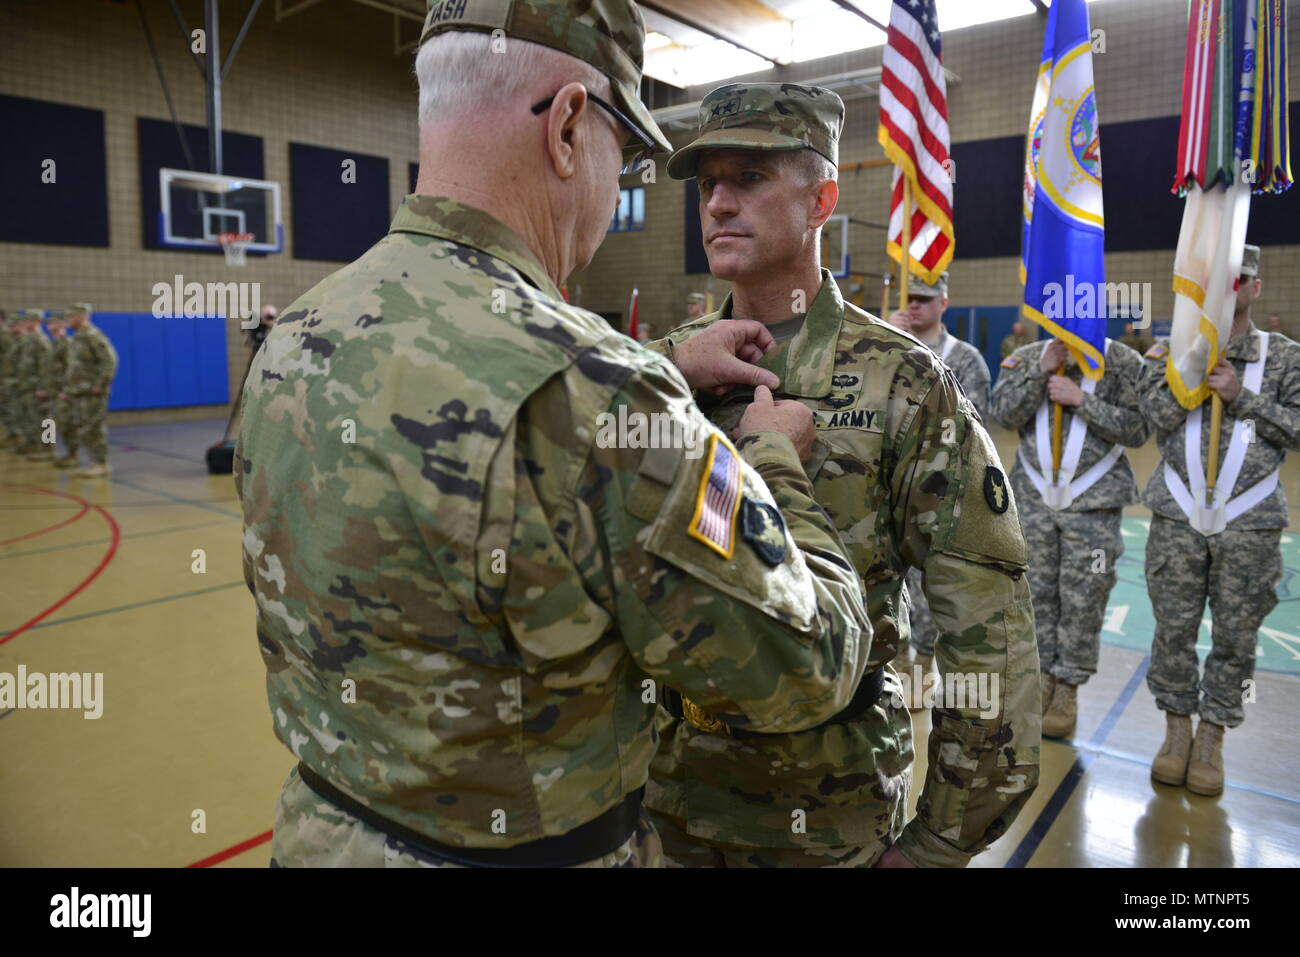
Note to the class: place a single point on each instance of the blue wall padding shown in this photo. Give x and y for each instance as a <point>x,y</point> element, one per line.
<point>164,363</point>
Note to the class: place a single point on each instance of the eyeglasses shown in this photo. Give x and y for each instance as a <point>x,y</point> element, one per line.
<point>634,153</point>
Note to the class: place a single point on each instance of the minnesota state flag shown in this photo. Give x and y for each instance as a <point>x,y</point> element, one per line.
<point>1062,266</point>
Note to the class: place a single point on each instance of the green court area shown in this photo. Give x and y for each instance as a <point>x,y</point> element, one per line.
<point>1130,623</point>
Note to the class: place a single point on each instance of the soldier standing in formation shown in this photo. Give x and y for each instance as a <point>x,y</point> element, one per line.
<point>9,336</point>
<point>56,381</point>
<point>33,370</point>
<point>1227,550</point>
<point>91,364</point>
<point>1071,520</point>
<point>466,588</point>
<point>694,306</point>
<point>923,318</point>
<point>910,477</point>
<point>1019,337</point>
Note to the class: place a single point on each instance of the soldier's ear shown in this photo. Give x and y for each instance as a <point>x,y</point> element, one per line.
<point>825,197</point>
<point>564,131</point>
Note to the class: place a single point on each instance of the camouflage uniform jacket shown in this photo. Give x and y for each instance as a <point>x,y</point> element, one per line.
<point>901,468</point>
<point>57,375</point>
<point>1274,410</point>
<point>92,361</point>
<point>1112,413</point>
<point>431,521</point>
<point>34,362</point>
<point>968,365</point>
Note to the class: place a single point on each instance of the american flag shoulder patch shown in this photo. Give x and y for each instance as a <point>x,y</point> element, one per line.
<point>718,498</point>
<point>1010,362</point>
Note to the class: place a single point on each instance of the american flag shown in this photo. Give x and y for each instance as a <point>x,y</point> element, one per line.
<point>914,132</point>
<point>715,514</point>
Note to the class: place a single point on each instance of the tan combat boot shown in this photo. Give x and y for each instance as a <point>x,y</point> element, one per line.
<point>41,455</point>
<point>1047,681</point>
<point>66,462</point>
<point>98,470</point>
<point>1205,772</point>
<point>1063,712</point>
<point>1170,765</point>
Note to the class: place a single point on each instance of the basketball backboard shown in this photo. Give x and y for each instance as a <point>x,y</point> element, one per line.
<point>835,246</point>
<point>197,208</point>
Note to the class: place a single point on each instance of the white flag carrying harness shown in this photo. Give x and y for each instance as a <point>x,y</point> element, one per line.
<point>949,340</point>
<point>1209,517</point>
<point>1062,493</point>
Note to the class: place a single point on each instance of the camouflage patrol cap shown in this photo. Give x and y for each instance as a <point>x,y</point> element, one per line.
<point>764,116</point>
<point>918,287</point>
<point>79,307</point>
<point>56,315</point>
<point>1250,261</point>
<point>608,34</point>
<point>29,315</point>
<point>695,297</point>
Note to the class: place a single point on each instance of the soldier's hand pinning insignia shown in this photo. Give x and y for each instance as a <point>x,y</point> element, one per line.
<point>1010,362</point>
<point>764,529</point>
<point>995,490</point>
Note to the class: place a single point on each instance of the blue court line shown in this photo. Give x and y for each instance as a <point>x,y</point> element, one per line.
<point>101,541</point>
<point>133,447</point>
<point>137,604</point>
<point>1029,844</point>
<point>176,498</point>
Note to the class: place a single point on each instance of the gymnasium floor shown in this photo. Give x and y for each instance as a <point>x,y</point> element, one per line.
<point>100,576</point>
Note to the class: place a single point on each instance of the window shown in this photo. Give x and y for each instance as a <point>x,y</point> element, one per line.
<point>630,214</point>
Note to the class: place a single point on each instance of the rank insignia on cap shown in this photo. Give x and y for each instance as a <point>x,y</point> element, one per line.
<point>1010,362</point>
<point>995,490</point>
<point>764,529</point>
<point>718,499</point>
<point>1158,351</point>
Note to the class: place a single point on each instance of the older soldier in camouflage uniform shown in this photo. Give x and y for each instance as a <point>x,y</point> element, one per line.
<point>91,365</point>
<point>909,477</point>
<point>467,587</point>
<point>923,318</point>
<point>1072,522</point>
<point>1229,553</point>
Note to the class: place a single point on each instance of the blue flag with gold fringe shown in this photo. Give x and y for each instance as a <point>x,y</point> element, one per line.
<point>1062,264</point>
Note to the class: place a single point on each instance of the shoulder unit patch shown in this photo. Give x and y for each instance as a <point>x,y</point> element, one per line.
<point>764,529</point>
<point>1158,351</point>
<point>995,490</point>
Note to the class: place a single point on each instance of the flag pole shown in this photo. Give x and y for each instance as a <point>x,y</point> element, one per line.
<point>904,266</point>
<point>1058,415</point>
<point>1212,463</point>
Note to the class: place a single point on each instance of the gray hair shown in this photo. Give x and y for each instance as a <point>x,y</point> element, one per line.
<point>809,167</point>
<point>459,71</point>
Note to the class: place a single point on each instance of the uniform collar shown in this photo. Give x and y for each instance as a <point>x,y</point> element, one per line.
<point>806,363</point>
<point>468,226</point>
<point>1244,346</point>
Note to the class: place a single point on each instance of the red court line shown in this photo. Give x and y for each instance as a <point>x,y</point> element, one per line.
<point>85,507</point>
<point>114,529</point>
<point>230,852</point>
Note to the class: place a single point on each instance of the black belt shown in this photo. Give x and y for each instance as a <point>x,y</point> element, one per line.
<point>864,699</point>
<point>586,842</point>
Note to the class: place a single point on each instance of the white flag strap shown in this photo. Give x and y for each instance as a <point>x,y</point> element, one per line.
<point>949,340</point>
<point>1207,517</point>
<point>1061,494</point>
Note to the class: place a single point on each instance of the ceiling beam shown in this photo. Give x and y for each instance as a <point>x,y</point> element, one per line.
<point>864,15</point>
<point>668,9</point>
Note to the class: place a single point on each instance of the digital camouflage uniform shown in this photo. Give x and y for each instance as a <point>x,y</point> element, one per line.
<point>57,380</point>
<point>92,361</point>
<point>901,496</point>
<point>9,348</point>
<point>1073,551</point>
<point>1013,342</point>
<point>972,374</point>
<point>1239,568</point>
<point>900,466</point>
<point>432,518</point>
<point>34,360</point>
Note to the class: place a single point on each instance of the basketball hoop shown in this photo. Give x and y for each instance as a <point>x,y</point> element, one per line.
<point>235,245</point>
